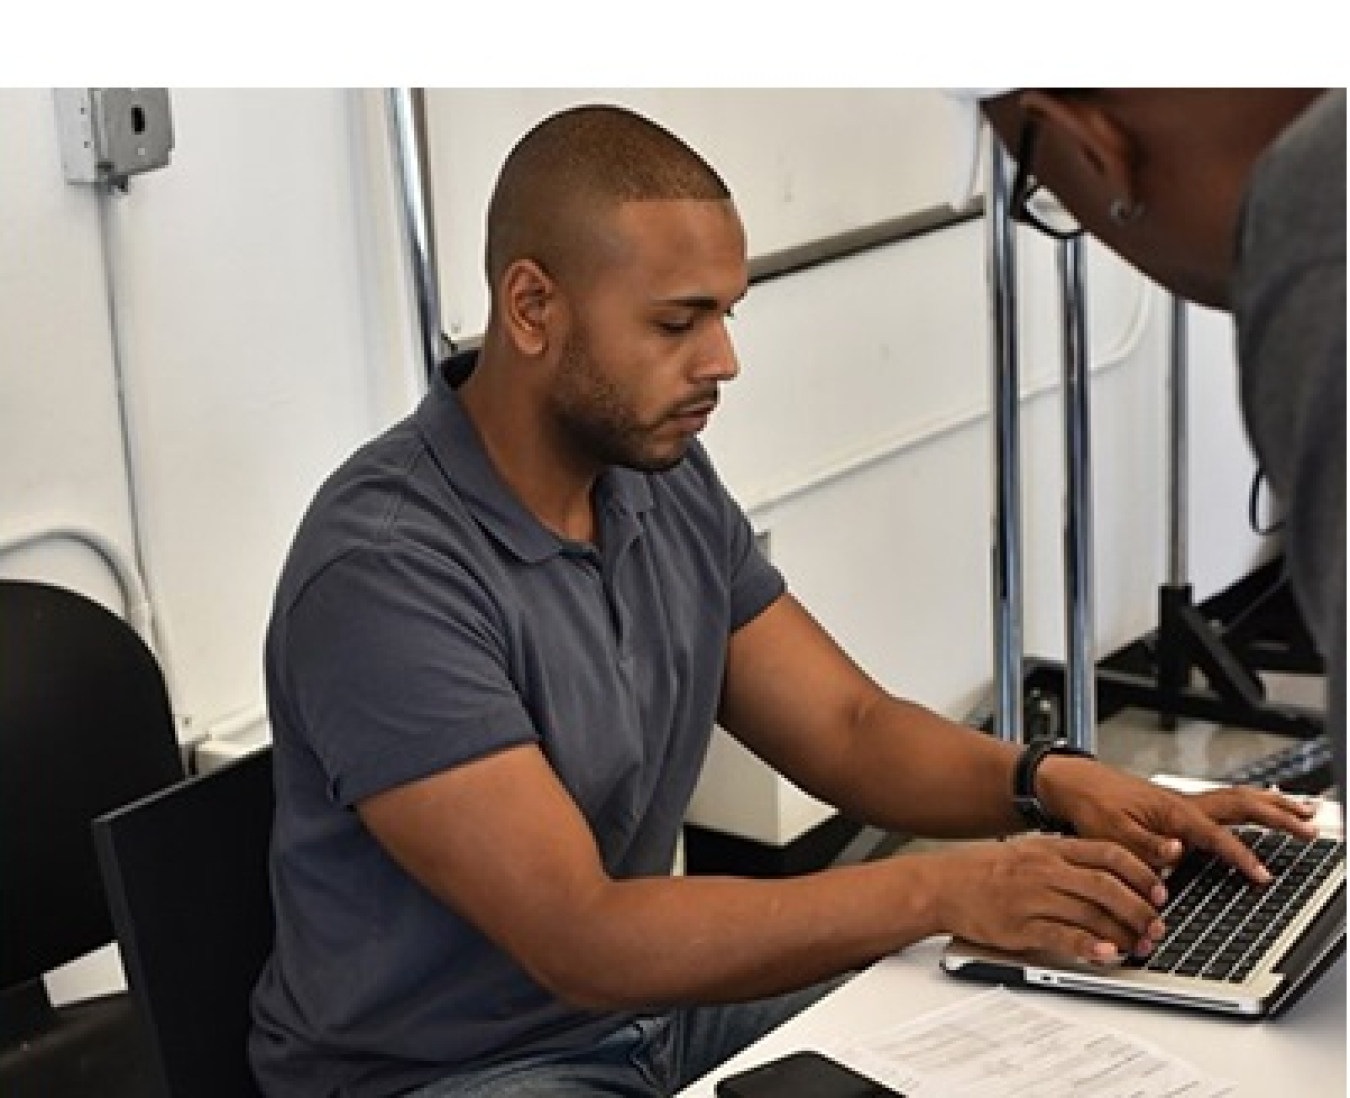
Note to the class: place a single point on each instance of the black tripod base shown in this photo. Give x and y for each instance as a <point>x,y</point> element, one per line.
<point>1253,626</point>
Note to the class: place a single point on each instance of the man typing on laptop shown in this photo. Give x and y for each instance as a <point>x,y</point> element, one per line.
<point>499,647</point>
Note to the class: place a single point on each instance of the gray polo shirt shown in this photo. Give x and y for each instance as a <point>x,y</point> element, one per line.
<point>425,619</point>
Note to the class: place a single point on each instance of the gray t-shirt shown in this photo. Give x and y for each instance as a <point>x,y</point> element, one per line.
<point>425,619</point>
<point>1290,309</point>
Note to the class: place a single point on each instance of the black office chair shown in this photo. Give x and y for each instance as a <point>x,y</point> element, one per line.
<point>85,726</point>
<point>187,877</point>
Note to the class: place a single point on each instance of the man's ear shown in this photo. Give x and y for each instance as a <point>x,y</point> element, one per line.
<point>528,297</point>
<point>1093,140</point>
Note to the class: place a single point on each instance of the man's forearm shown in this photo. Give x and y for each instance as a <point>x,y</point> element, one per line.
<point>658,941</point>
<point>908,769</point>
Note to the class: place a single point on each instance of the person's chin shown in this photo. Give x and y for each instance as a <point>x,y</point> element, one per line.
<point>659,461</point>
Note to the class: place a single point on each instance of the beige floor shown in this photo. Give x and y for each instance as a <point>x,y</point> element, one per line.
<point>1132,738</point>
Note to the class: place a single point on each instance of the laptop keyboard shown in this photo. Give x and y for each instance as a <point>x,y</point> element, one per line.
<point>1220,925</point>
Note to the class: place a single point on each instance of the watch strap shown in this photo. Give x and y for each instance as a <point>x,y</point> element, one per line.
<point>1025,799</point>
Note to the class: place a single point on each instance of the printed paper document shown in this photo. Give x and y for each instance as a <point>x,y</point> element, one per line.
<point>999,1045</point>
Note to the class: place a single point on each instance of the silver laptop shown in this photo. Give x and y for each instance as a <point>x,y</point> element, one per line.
<point>1231,947</point>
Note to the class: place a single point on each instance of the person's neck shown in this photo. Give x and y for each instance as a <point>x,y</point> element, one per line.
<point>545,477</point>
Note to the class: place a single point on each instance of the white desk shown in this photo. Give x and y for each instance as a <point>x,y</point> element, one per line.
<point>1301,1054</point>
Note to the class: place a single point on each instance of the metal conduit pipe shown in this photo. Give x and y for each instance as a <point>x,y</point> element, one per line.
<point>1178,473</point>
<point>1006,548</point>
<point>135,603</point>
<point>1080,686</point>
<point>410,171</point>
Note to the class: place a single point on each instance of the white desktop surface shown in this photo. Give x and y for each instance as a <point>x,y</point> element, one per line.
<point>1301,1053</point>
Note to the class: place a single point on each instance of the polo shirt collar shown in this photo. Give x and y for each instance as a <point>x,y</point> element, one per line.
<point>459,453</point>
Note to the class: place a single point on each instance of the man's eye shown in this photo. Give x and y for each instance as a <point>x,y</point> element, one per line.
<point>675,327</point>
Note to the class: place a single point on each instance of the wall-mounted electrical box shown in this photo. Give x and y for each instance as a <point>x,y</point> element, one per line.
<point>108,134</point>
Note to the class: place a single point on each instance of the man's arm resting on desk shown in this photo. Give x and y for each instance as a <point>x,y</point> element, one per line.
<point>542,894</point>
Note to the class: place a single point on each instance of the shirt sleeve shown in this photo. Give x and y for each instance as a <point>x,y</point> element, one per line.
<point>396,669</point>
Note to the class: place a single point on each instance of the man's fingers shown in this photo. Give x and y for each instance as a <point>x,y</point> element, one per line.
<point>1082,898</point>
<point>1270,807</point>
<point>1155,850</point>
<point>1108,934</point>
<point>1107,900</point>
<point>1241,805</point>
<point>1121,866</point>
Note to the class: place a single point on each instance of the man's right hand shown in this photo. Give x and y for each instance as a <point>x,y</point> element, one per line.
<point>1079,898</point>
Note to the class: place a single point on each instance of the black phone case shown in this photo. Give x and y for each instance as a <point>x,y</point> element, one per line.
<point>802,1075</point>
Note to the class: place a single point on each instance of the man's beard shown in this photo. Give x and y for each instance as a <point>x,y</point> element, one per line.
<point>595,420</point>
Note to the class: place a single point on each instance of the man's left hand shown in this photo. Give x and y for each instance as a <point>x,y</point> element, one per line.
<point>1158,824</point>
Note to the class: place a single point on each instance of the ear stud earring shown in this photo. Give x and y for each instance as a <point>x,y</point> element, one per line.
<point>1122,213</point>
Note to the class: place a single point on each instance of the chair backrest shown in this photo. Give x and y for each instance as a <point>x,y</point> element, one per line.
<point>85,726</point>
<point>186,871</point>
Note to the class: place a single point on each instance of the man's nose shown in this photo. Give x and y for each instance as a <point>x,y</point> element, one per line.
<point>719,360</point>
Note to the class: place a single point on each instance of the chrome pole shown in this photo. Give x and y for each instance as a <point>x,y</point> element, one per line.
<point>1080,680</point>
<point>411,176</point>
<point>1006,548</point>
<point>1177,471</point>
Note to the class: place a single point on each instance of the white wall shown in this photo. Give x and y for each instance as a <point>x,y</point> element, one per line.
<point>803,164</point>
<point>248,302</point>
<point>251,298</point>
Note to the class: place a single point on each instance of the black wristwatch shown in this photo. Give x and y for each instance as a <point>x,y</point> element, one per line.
<point>1026,802</point>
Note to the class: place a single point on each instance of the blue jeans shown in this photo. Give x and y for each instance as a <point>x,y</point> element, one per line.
<point>647,1058</point>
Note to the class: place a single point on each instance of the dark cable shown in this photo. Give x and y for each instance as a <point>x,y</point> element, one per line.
<point>1254,508</point>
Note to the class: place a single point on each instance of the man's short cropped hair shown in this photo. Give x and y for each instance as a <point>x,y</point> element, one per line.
<point>571,167</point>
